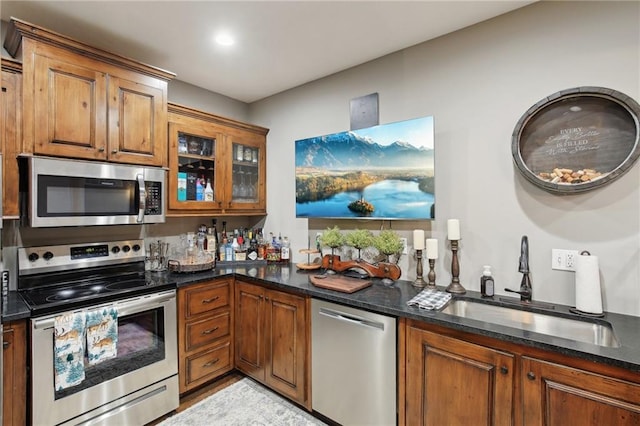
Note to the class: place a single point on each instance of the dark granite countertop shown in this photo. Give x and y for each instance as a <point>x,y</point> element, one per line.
<point>393,301</point>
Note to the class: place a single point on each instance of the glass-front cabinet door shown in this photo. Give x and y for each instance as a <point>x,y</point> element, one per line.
<point>193,163</point>
<point>216,165</point>
<point>247,173</point>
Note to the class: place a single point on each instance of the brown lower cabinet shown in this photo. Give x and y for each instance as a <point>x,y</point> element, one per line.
<point>556,394</point>
<point>272,339</point>
<point>457,378</point>
<point>14,375</point>
<point>205,325</point>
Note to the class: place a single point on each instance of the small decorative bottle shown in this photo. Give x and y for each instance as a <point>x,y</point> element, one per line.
<point>208,191</point>
<point>487,286</point>
<point>199,190</point>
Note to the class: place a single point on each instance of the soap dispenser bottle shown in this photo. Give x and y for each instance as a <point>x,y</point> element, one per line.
<point>487,286</point>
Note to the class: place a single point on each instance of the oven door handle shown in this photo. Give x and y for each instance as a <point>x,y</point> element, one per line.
<point>142,202</point>
<point>134,306</point>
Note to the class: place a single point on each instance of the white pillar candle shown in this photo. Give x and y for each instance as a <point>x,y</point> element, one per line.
<point>418,239</point>
<point>432,248</point>
<point>453,229</point>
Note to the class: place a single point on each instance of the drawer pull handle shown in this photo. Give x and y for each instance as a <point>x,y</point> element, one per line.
<point>210,330</point>
<point>5,345</point>
<point>210,300</point>
<point>504,370</point>
<point>531,375</point>
<point>210,363</point>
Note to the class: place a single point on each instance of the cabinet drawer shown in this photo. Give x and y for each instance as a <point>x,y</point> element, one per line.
<point>206,365</point>
<point>203,332</point>
<point>205,299</point>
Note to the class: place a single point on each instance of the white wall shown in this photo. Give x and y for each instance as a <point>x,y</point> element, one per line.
<point>187,94</point>
<point>477,83</point>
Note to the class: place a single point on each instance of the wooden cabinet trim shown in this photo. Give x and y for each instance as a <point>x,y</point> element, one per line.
<point>18,29</point>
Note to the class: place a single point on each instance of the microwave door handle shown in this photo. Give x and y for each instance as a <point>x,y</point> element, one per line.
<point>143,198</point>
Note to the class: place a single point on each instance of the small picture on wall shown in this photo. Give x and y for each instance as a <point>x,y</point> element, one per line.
<point>379,172</point>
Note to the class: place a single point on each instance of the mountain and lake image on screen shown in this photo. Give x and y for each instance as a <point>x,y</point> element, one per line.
<point>380,172</point>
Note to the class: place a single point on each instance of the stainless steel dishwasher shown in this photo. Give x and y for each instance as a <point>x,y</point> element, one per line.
<point>354,365</point>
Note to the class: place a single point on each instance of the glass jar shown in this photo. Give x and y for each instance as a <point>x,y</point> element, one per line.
<point>239,153</point>
<point>248,154</point>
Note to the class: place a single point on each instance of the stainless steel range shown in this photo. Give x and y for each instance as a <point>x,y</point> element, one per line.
<point>103,334</point>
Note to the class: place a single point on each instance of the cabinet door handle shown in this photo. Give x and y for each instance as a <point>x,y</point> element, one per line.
<point>211,330</point>
<point>115,151</point>
<point>531,375</point>
<point>210,300</point>
<point>101,149</point>
<point>5,345</point>
<point>504,369</point>
<point>210,363</point>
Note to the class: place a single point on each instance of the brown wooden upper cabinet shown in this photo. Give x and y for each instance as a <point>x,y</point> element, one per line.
<point>227,155</point>
<point>10,135</point>
<point>83,102</point>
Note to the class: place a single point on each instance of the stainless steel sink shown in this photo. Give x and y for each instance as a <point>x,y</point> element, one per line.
<point>596,333</point>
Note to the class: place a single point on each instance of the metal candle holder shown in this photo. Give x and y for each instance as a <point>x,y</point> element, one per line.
<point>419,282</point>
<point>431,276</point>
<point>455,286</point>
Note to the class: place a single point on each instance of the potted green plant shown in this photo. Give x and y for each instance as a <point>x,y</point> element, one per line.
<point>360,239</point>
<point>388,242</point>
<point>333,238</point>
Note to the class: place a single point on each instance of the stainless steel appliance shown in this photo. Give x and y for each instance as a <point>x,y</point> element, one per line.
<point>80,193</point>
<point>140,383</point>
<point>353,365</point>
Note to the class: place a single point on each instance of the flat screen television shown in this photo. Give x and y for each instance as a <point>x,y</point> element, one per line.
<point>383,172</point>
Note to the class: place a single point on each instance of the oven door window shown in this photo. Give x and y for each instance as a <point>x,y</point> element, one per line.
<point>141,342</point>
<point>60,196</point>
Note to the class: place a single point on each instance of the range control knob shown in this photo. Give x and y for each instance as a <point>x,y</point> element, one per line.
<point>126,249</point>
<point>136,247</point>
<point>47,256</point>
<point>33,257</point>
<point>115,250</point>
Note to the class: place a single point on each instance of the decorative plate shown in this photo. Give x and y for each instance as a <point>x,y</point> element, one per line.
<point>577,139</point>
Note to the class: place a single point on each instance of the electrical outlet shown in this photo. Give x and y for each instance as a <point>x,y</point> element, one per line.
<point>404,245</point>
<point>563,260</point>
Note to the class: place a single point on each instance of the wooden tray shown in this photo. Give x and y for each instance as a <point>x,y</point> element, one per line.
<point>577,139</point>
<point>338,283</point>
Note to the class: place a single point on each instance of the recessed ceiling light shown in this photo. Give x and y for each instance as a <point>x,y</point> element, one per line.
<point>224,39</point>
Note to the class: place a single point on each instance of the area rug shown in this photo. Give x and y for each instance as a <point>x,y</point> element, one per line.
<point>243,403</point>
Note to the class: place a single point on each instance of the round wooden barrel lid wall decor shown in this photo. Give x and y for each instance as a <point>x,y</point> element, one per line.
<point>577,139</point>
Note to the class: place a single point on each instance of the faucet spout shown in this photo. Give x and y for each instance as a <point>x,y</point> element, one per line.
<point>526,291</point>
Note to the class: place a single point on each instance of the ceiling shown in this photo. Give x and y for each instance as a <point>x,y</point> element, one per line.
<point>279,44</point>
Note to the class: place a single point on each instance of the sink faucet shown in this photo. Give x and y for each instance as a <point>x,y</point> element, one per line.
<point>525,291</point>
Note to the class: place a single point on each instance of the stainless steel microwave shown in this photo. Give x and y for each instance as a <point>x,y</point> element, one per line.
<point>65,192</point>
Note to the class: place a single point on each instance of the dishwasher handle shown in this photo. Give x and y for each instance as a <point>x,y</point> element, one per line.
<point>342,316</point>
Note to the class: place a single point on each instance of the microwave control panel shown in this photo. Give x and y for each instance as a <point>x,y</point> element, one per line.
<point>154,198</point>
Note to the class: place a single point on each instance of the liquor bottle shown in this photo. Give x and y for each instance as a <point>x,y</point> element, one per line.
<point>199,190</point>
<point>212,244</point>
<point>252,253</point>
<point>214,231</point>
<point>230,252</point>
<point>222,250</point>
<point>208,191</point>
<point>224,230</point>
<point>285,251</point>
<point>262,248</point>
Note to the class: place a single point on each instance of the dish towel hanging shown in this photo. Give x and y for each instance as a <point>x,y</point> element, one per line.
<point>430,299</point>
<point>68,358</point>
<point>102,334</point>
